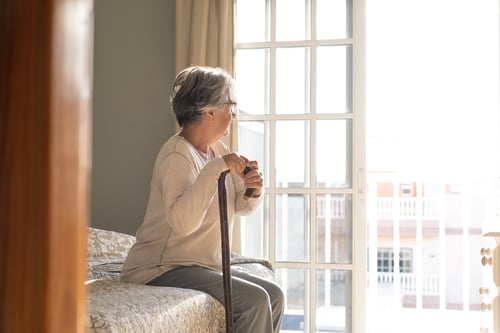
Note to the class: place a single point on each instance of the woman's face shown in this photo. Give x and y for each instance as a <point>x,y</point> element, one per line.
<point>224,117</point>
<point>226,113</point>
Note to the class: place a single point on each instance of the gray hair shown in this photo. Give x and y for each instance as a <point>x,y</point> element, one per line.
<point>196,88</point>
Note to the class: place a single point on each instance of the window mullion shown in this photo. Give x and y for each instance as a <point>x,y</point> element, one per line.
<point>313,229</point>
<point>272,195</point>
<point>272,128</point>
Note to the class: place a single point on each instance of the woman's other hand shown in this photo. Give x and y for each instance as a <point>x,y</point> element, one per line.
<point>253,178</point>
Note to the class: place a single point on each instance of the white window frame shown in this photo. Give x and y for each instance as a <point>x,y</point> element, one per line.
<point>357,116</point>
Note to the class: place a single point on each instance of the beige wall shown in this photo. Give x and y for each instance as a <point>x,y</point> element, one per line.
<point>133,72</point>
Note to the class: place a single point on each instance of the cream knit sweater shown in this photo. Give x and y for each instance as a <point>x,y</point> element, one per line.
<point>181,226</point>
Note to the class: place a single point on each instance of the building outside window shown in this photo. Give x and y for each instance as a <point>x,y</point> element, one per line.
<point>385,260</point>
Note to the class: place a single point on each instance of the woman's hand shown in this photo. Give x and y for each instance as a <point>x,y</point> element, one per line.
<point>252,178</point>
<point>236,163</point>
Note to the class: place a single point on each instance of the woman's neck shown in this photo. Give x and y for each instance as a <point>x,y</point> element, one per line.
<point>196,138</point>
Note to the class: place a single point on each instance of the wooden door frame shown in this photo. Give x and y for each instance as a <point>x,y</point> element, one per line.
<point>45,121</point>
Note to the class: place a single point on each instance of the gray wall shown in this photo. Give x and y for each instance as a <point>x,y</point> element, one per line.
<point>133,74</point>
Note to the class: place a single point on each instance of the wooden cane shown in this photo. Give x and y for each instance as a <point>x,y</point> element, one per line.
<point>226,254</point>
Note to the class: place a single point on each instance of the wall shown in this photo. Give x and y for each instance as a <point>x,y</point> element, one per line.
<point>133,73</point>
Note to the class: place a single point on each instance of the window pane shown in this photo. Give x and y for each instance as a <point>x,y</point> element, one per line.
<point>291,21</point>
<point>251,21</point>
<point>333,300</point>
<point>333,153</point>
<point>252,80</point>
<point>253,143</point>
<point>292,227</point>
<point>292,153</point>
<point>255,228</point>
<point>294,282</point>
<point>332,20</point>
<point>333,93</point>
<point>292,80</point>
<point>334,228</point>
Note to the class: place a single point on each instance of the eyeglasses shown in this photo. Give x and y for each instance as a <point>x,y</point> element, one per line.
<point>233,108</point>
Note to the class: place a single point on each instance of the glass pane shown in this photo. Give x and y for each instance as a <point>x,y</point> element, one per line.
<point>255,232</point>
<point>333,300</point>
<point>333,19</point>
<point>291,21</point>
<point>292,227</point>
<point>444,230</point>
<point>334,79</point>
<point>334,228</point>
<point>292,80</point>
<point>252,80</point>
<point>292,153</point>
<point>253,143</point>
<point>294,283</point>
<point>251,21</point>
<point>333,153</point>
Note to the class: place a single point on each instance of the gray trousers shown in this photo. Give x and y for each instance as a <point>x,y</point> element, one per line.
<point>258,304</point>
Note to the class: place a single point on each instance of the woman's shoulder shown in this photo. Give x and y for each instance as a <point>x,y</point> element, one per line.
<point>175,146</point>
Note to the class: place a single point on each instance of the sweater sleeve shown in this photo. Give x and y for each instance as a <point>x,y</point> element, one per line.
<point>243,206</point>
<point>187,192</point>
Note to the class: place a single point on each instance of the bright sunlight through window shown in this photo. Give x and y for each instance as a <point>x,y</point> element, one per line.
<point>401,243</point>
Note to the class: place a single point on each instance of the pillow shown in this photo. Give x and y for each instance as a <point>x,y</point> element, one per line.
<point>106,243</point>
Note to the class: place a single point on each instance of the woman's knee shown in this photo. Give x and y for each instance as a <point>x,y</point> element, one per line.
<point>261,297</point>
<point>277,297</point>
<point>275,292</point>
<point>251,296</point>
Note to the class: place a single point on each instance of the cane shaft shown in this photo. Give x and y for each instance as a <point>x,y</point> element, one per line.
<point>226,253</point>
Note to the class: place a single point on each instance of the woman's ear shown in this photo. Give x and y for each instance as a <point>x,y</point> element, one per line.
<point>210,113</point>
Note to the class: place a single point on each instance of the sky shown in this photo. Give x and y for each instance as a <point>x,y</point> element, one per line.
<point>433,87</point>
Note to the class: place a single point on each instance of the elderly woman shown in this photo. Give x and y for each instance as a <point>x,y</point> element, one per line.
<point>178,244</point>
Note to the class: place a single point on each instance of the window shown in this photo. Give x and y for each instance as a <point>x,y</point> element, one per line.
<point>385,260</point>
<point>407,190</point>
<point>433,138</point>
<point>299,72</point>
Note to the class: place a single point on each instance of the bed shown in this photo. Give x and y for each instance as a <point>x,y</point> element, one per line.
<point>120,307</point>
